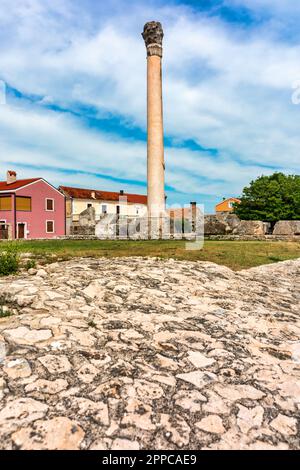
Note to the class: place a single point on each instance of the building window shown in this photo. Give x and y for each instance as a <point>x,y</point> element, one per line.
<point>50,226</point>
<point>5,203</point>
<point>89,205</point>
<point>104,209</point>
<point>230,204</point>
<point>49,204</point>
<point>137,210</point>
<point>23,203</point>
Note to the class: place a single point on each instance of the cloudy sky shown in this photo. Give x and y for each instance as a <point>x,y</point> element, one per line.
<point>75,74</point>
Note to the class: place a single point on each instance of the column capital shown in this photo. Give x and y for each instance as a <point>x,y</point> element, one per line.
<point>153,35</point>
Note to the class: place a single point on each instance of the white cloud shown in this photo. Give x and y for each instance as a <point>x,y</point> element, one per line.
<point>224,87</point>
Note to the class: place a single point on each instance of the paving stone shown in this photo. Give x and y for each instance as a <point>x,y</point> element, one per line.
<point>20,412</point>
<point>212,424</point>
<point>197,378</point>
<point>199,360</point>
<point>56,364</point>
<point>17,368</point>
<point>285,425</point>
<point>144,353</point>
<point>249,418</point>
<point>47,386</point>
<point>25,335</point>
<point>55,434</point>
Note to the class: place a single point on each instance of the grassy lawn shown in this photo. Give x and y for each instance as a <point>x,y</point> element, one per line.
<point>234,254</point>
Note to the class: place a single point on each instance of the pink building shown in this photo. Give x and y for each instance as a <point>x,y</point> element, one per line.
<point>30,208</point>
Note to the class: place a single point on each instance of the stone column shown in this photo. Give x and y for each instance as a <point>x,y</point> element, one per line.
<point>153,35</point>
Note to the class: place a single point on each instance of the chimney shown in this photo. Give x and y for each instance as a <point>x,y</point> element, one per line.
<point>11,177</point>
<point>194,215</point>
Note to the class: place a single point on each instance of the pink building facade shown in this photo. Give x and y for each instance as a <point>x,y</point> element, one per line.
<point>30,209</point>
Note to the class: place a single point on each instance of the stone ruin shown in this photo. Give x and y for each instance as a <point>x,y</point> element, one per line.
<point>287,227</point>
<point>221,226</point>
<point>228,224</point>
<point>85,226</point>
<point>112,226</point>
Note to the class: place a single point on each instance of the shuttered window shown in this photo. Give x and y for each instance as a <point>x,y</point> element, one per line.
<point>5,203</point>
<point>50,226</point>
<point>23,203</point>
<point>49,204</point>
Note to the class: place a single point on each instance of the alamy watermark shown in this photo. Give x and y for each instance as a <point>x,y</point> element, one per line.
<point>175,223</point>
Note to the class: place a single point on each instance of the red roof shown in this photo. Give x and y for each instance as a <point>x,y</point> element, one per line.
<point>17,184</point>
<point>234,199</point>
<point>78,193</point>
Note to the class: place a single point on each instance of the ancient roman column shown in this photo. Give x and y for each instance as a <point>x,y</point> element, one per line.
<point>153,36</point>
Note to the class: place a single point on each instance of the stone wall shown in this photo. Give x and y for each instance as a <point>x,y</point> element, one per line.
<point>221,226</point>
<point>287,227</point>
<point>250,227</point>
<point>229,224</point>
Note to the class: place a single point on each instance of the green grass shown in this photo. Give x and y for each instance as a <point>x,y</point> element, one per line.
<point>234,254</point>
<point>4,313</point>
<point>9,259</point>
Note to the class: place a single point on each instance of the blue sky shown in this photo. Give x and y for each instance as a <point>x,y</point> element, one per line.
<point>75,74</point>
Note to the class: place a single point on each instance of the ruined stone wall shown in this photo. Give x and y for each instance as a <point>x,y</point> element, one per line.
<point>287,227</point>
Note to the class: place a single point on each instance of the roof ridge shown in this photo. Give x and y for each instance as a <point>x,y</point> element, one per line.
<point>99,190</point>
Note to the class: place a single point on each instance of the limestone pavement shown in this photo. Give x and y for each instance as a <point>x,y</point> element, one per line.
<point>139,353</point>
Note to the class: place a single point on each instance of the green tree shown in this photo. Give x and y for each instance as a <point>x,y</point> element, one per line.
<point>271,198</point>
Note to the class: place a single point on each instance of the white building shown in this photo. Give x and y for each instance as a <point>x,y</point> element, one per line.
<point>104,202</point>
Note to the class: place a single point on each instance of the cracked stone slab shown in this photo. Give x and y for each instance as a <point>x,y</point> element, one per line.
<point>24,335</point>
<point>56,434</point>
<point>144,353</point>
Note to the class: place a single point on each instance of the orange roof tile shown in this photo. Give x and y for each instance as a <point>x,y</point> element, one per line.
<point>17,184</point>
<point>79,193</point>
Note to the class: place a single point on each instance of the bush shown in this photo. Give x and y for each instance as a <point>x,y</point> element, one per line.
<point>4,313</point>
<point>31,263</point>
<point>9,260</point>
<point>271,198</point>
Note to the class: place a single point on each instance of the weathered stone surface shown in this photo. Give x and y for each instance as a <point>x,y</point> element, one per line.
<point>144,353</point>
<point>220,224</point>
<point>249,418</point>
<point>124,444</point>
<point>47,386</point>
<point>212,424</point>
<point>17,368</point>
<point>237,392</point>
<point>20,412</point>
<point>197,378</point>
<point>287,227</point>
<point>199,360</point>
<point>190,400</point>
<point>24,335</point>
<point>56,434</point>
<point>55,364</point>
<point>97,410</point>
<point>285,425</point>
<point>250,227</point>
<point>2,385</point>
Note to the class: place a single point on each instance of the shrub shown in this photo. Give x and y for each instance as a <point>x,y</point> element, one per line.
<point>271,198</point>
<point>9,260</point>
<point>31,263</point>
<point>4,312</point>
